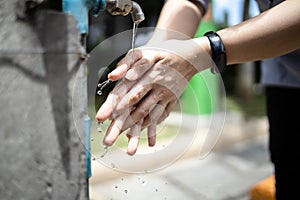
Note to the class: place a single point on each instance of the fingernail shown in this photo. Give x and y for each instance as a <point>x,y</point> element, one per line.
<point>132,146</point>
<point>99,116</point>
<point>131,75</point>
<point>105,111</point>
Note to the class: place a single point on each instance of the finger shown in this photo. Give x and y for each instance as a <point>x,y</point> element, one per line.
<point>119,72</point>
<point>155,113</point>
<point>134,137</point>
<point>107,108</point>
<point>167,111</point>
<point>105,111</point>
<point>127,118</point>
<point>133,97</point>
<point>158,110</point>
<point>143,108</point>
<point>114,129</point>
<point>124,65</point>
<point>151,133</point>
<point>139,68</point>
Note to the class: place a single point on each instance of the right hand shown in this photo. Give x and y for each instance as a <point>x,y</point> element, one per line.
<point>153,83</point>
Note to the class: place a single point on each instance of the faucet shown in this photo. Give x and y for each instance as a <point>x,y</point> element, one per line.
<point>121,7</point>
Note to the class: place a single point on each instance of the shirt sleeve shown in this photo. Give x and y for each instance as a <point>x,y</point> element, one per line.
<point>204,3</point>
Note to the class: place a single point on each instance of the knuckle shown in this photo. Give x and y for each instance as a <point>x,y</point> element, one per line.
<point>140,113</point>
<point>143,112</point>
<point>163,92</point>
<point>144,62</point>
<point>134,98</point>
<point>138,94</point>
<point>146,122</point>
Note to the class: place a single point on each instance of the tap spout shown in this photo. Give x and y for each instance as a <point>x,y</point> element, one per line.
<point>120,7</point>
<point>137,13</point>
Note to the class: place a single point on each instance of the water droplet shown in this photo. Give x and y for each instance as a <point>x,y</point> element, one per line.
<point>125,191</point>
<point>139,178</point>
<point>99,129</point>
<point>94,158</point>
<point>105,151</point>
<point>116,187</point>
<point>113,165</point>
<point>92,139</point>
<point>144,182</point>
<point>103,85</point>
<point>122,179</point>
<point>156,190</point>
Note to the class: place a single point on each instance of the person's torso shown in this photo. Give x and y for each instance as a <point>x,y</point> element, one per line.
<point>283,70</point>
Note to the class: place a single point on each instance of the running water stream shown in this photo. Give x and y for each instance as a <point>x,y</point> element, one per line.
<point>105,83</point>
<point>134,33</point>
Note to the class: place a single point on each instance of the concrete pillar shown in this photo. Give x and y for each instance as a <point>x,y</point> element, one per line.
<point>42,135</point>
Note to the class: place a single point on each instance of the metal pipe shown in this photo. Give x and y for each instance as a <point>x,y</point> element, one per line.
<point>120,7</point>
<point>137,13</point>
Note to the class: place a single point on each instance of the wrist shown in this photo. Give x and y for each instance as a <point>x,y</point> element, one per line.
<point>202,54</point>
<point>217,52</point>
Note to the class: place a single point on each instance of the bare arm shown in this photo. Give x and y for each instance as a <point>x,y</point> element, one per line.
<point>179,19</point>
<point>272,33</point>
<point>179,16</point>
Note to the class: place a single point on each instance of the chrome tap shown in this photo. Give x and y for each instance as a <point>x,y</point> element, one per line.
<point>122,7</point>
<point>137,13</point>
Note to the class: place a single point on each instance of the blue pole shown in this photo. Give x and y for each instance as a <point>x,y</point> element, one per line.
<point>80,9</point>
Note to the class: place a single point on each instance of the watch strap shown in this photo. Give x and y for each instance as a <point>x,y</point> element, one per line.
<point>218,52</point>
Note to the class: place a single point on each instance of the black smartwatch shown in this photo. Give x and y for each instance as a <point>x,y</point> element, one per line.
<point>218,52</point>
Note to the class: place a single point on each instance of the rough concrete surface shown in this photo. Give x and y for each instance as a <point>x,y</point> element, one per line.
<point>42,155</point>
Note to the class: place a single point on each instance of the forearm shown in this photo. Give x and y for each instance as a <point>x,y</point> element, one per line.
<point>178,18</point>
<point>273,33</point>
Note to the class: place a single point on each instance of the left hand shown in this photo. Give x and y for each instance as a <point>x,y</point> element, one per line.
<point>151,88</point>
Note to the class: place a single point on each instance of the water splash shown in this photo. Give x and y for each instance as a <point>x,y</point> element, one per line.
<point>105,83</point>
<point>105,151</point>
<point>102,85</point>
<point>99,129</point>
<point>113,165</point>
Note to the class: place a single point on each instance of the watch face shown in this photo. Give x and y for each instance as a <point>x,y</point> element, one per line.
<point>104,86</point>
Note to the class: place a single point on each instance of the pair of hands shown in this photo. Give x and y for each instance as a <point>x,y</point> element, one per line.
<point>153,78</point>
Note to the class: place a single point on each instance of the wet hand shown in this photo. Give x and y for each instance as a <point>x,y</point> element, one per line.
<point>152,86</point>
